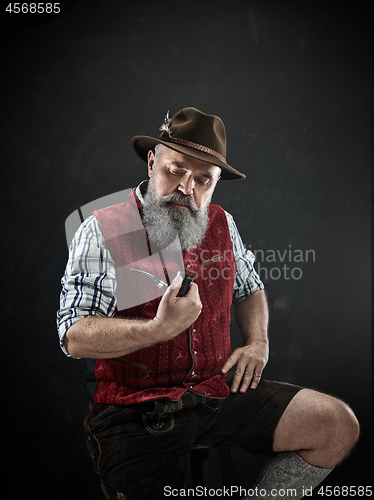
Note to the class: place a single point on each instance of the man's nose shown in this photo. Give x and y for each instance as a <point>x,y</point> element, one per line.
<point>187,184</point>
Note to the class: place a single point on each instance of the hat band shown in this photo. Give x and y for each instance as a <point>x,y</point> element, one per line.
<point>199,147</point>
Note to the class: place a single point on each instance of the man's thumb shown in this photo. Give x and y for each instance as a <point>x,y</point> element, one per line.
<point>175,285</point>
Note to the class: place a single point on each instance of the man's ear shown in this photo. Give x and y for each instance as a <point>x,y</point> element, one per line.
<point>150,161</point>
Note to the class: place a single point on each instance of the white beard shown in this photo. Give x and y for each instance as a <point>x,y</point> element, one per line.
<point>164,221</point>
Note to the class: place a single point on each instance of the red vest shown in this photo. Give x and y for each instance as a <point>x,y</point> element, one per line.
<point>193,359</point>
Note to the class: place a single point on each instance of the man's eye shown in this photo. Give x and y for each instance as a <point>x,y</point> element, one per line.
<point>203,182</point>
<point>175,172</point>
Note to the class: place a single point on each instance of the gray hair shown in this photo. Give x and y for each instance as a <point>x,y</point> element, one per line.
<point>158,150</point>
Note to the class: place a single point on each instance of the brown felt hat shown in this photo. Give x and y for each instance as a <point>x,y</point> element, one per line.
<point>194,134</point>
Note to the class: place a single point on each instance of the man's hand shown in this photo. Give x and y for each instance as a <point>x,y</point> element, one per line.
<point>250,361</point>
<point>252,318</point>
<point>175,314</point>
<point>96,337</point>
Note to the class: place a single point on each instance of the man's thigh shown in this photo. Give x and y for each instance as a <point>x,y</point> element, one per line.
<point>136,453</point>
<point>248,421</point>
<point>139,454</point>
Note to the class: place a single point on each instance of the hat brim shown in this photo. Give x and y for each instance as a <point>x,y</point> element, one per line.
<point>142,144</point>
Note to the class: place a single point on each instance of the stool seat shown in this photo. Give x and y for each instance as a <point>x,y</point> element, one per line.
<point>199,460</point>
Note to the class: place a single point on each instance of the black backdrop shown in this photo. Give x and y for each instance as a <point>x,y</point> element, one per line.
<point>291,81</point>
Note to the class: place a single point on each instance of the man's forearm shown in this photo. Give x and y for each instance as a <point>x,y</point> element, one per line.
<point>252,317</point>
<point>96,337</point>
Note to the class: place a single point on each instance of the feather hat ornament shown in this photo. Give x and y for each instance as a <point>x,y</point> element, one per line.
<point>166,125</point>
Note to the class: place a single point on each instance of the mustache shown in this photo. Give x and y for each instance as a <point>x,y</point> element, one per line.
<point>178,197</point>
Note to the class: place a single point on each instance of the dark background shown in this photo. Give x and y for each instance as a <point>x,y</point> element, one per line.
<point>291,81</point>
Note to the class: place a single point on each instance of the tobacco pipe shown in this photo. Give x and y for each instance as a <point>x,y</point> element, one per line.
<point>185,286</point>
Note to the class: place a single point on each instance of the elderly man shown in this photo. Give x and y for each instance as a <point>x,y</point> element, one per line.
<point>161,374</point>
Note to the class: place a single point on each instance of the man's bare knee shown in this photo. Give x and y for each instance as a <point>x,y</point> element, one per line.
<point>323,427</point>
<point>346,426</point>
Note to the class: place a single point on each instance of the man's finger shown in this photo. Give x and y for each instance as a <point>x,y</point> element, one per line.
<point>174,287</point>
<point>231,361</point>
<point>248,376</point>
<point>239,375</point>
<point>251,378</point>
<point>256,379</point>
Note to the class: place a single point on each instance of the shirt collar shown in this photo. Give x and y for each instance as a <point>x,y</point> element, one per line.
<point>138,191</point>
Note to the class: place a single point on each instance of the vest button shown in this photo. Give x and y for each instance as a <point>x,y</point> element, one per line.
<point>194,330</point>
<point>193,373</point>
<point>195,352</point>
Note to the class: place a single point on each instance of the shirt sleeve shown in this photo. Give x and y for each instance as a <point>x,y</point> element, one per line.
<point>89,281</point>
<point>247,281</point>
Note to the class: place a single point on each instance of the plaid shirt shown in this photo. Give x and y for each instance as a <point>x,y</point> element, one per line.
<point>89,281</point>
